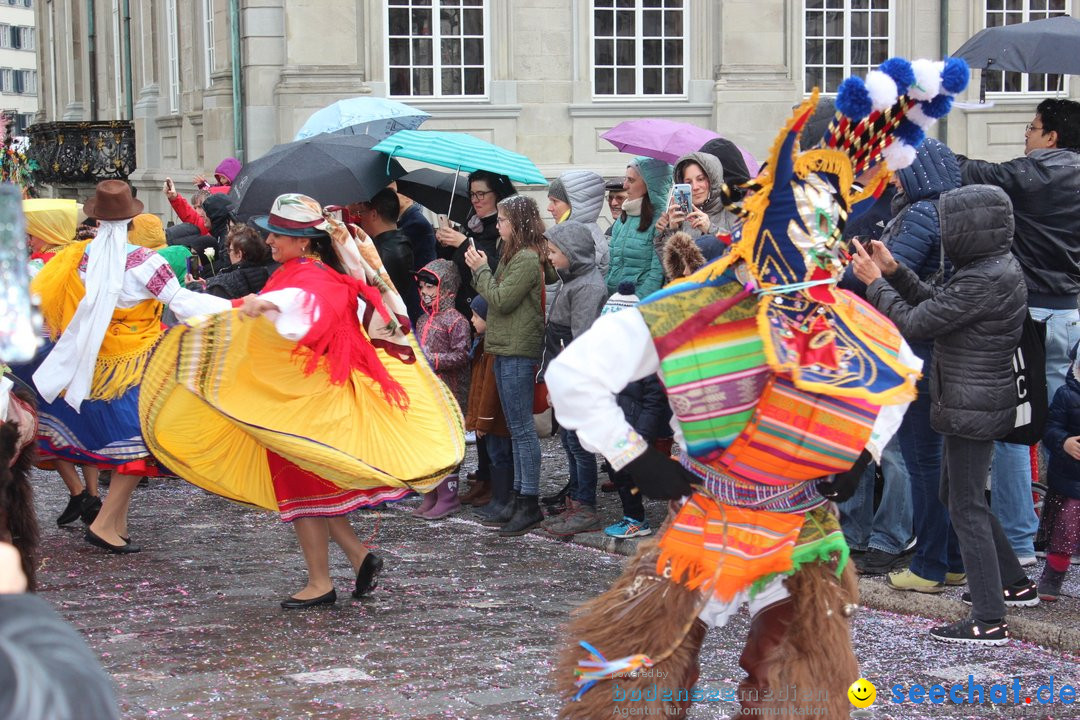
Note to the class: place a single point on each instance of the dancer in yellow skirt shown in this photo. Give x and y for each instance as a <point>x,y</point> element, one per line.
<point>290,405</point>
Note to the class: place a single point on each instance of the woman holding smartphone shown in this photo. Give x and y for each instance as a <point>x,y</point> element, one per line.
<point>486,189</point>
<point>706,216</point>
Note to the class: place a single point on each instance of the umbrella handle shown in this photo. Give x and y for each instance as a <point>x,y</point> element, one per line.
<point>453,191</point>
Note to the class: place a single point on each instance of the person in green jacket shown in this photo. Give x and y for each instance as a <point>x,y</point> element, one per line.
<point>515,336</point>
<point>633,257</point>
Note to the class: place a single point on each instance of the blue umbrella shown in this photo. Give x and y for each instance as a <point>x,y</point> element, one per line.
<point>365,115</point>
<point>461,152</point>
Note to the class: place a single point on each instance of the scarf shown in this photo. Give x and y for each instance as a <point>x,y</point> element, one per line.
<point>69,367</point>
<point>633,207</point>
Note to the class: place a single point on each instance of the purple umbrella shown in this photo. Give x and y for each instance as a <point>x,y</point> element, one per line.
<point>665,140</point>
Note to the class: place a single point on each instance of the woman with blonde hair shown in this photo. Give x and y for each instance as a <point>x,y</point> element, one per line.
<point>515,336</point>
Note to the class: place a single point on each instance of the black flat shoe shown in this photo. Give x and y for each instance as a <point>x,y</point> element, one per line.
<point>90,509</point>
<point>367,578</point>
<point>125,549</point>
<point>74,509</point>
<point>296,604</point>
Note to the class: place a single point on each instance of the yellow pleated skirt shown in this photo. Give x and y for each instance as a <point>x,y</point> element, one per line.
<point>218,395</point>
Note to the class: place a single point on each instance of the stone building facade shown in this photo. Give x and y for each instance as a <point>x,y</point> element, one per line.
<point>542,77</point>
<point>18,63</point>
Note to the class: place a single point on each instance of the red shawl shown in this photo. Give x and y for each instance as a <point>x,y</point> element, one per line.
<point>336,334</point>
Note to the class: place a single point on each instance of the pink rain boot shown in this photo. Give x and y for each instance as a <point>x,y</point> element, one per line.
<point>426,504</point>
<point>448,501</point>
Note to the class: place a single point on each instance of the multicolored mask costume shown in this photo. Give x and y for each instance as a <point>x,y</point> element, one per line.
<point>777,379</point>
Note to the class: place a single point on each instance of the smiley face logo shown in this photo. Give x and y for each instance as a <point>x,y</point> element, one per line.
<point>862,693</point>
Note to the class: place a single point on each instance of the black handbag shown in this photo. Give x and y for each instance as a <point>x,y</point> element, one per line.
<point>1029,376</point>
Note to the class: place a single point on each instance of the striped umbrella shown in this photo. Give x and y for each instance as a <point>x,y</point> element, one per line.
<point>461,152</point>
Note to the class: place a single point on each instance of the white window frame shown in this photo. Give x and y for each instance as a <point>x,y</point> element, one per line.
<point>29,42</point>
<point>436,38</point>
<point>209,51</point>
<point>53,68</point>
<point>638,54</point>
<point>848,39</point>
<point>173,59</point>
<point>5,37</point>
<point>1025,77</point>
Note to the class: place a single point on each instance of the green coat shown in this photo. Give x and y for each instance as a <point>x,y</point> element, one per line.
<point>515,321</point>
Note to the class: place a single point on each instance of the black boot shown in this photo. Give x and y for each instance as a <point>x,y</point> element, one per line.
<point>526,516</point>
<point>504,512</point>
<point>502,495</point>
<point>558,498</point>
<point>74,508</point>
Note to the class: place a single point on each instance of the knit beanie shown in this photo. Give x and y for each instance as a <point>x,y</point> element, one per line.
<point>558,191</point>
<point>623,298</point>
<point>479,306</point>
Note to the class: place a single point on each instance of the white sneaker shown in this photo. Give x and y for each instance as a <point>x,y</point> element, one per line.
<point>1027,560</point>
<point>470,438</point>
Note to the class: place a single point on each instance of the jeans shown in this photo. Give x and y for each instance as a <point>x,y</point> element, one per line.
<point>1062,333</point>
<point>1010,496</point>
<point>514,378</point>
<point>583,470</point>
<point>989,561</point>
<point>499,451</point>
<point>936,548</point>
<point>888,529</point>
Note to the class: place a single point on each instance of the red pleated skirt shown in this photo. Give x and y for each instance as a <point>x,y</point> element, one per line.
<point>303,494</point>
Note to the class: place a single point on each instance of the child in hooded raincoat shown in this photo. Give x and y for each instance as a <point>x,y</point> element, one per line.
<point>445,339</point>
<point>574,308</point>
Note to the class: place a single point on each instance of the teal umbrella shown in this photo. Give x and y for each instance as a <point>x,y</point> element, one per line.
<point>461,152</point>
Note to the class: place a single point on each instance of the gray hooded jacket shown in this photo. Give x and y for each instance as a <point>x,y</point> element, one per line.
<point>578,302</point>
<point>585,191</point>
<point>975,319</point>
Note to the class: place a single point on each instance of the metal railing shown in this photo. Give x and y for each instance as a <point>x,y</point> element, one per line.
<point>77,152</point>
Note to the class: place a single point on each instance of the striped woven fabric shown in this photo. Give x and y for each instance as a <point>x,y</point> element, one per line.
<point>797,435</point>
<point>725,549</point>
<point>715,374</point>
<point>793,498</point>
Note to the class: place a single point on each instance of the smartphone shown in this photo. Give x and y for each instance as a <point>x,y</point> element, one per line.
<point>193,266</point>
<point>682,194</point>
<point>866,244</point>
<point>472,244</point>
<point>443,222</point>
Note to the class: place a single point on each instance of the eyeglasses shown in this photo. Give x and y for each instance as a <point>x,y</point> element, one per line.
<point>500,220</point>
<point>480,194</point>
<point>1031,126</point>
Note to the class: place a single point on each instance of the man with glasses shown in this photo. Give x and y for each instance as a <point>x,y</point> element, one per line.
<point>1044,187</point>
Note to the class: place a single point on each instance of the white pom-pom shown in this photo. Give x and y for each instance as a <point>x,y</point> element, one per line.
<point>898,156</point>
<point>882,89</point>
<point>917,116</point>
<point>927,80</point>
<point>210,253</point>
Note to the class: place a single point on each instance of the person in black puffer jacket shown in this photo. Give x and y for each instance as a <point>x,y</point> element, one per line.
<point>250,266</point>
<point>975,320</point>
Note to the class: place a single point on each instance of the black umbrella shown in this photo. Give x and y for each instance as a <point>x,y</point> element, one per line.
<point>1051,45</point>
<point>333,169</point>
<point>433,189</point>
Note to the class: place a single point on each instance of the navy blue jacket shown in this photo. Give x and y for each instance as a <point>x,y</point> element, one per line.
<point>1064,422</point>
<point>913,236</point>
<point>646,408</point>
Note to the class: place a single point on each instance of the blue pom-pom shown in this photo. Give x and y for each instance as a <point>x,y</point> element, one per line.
<point>955,76</point>
<point>853,99</point>
<point>900,71</point>
<point>909,133</point>
<point>939,107</point>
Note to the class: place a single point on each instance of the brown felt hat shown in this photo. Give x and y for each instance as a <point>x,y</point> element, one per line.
<point>113,201</point>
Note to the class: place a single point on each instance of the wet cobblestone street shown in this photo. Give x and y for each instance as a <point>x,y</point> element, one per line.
<point>463,624</point>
